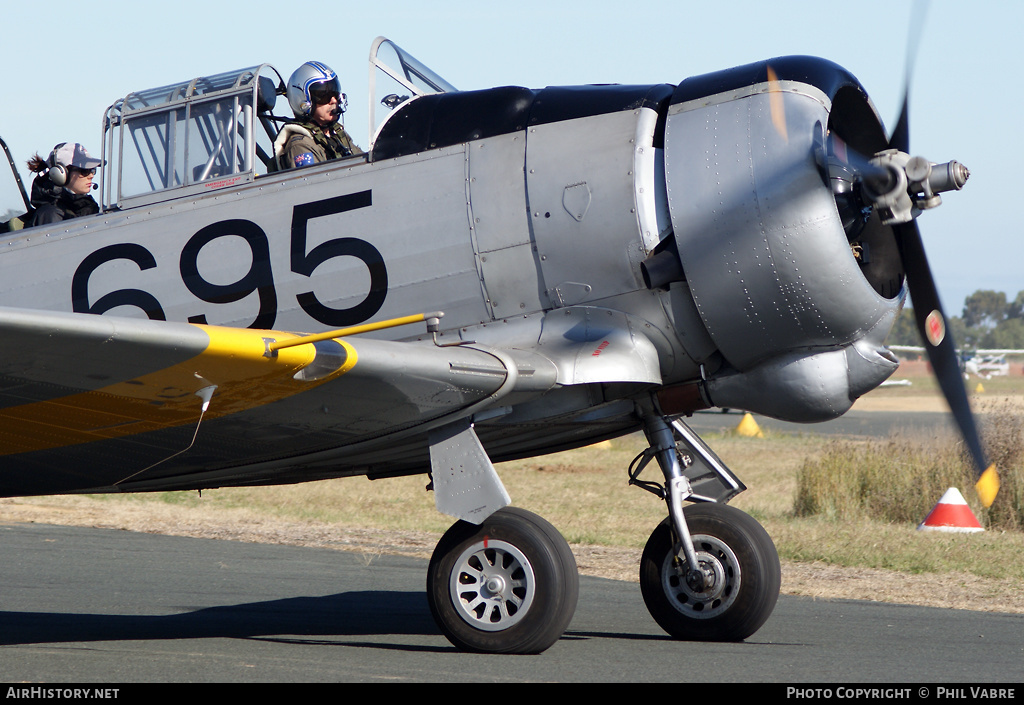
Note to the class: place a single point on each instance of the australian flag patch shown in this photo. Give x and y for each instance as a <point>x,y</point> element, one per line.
<point>304,159</point>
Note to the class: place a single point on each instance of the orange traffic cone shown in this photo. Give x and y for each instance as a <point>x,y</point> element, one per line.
<point>951,514</point>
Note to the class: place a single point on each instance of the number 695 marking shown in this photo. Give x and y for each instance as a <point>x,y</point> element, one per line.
<point>259,278</point>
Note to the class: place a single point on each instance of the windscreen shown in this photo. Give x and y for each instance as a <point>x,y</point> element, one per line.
<point>395,77</point>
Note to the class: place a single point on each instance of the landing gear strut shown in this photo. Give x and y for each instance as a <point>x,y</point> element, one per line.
<point>709,571</point>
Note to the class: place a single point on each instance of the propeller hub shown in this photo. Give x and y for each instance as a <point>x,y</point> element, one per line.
<point>905,185</point>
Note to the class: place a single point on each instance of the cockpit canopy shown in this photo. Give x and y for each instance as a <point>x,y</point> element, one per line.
<point>188,137</point>
<point>218,131</point>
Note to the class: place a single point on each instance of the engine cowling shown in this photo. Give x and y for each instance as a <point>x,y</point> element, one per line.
<point>796,292</point>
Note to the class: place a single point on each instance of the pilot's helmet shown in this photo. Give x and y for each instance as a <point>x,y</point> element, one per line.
<point>312,84</point>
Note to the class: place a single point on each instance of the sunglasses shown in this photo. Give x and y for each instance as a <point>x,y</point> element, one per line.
<point>84,172</point>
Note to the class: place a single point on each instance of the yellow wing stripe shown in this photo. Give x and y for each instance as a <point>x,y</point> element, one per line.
<point>235,361</point>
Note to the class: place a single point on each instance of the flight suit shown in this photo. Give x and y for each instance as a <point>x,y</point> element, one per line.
<point>306,143</point>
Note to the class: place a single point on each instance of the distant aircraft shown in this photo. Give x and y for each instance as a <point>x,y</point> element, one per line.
<point>588,261</point>
<point>981,362</point>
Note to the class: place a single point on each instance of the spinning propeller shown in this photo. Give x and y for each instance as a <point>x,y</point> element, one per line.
<point>931,321</point>
<point>899,187</point>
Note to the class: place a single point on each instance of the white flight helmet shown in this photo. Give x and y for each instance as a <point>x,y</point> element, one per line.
<point>310,85</point>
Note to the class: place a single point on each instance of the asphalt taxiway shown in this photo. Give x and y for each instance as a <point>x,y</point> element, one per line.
<point>103,606</point>
<point>875,424</point>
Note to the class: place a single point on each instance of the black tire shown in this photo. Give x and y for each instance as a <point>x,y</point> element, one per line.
<point>741,594</point>
<point>529,567</point>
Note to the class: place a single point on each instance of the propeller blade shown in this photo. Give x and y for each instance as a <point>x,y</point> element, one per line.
<point>900,138</point>
<point>776,104</point>
<point>931,323</point>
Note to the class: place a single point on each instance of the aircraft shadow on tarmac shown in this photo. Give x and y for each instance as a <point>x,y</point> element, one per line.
<point>344,614</point>
<point>291,620</point>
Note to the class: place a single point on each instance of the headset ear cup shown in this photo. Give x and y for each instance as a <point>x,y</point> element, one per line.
<point>58,174</point>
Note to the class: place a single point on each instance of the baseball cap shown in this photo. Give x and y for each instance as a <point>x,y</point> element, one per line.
<point>74,154</point>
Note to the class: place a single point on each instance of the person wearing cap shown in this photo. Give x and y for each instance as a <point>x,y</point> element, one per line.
<point>61,188</point>
<point>317,135</point>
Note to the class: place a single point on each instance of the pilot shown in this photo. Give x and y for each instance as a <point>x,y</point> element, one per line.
<point>61,188</point>
<point>314,93</point>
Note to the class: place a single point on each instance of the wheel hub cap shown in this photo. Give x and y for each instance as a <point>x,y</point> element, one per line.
<point>492,585</point>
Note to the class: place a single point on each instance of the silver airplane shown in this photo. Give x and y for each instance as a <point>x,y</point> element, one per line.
<point>588,262</point>
<point>980,362</point>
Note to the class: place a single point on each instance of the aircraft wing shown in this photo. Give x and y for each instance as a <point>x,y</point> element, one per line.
<point>104,404</point>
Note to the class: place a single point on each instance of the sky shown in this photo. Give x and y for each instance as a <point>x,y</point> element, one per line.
<point>63,63</point>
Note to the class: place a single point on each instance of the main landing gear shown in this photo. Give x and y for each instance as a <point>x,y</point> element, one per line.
<point>507,586</point>
<point>709,572</point>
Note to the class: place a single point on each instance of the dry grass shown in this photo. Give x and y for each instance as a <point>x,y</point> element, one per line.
<point>898,479</point>
<point>1003,434</point>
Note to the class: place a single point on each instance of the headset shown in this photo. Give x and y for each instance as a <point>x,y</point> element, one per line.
<point>57,172</point>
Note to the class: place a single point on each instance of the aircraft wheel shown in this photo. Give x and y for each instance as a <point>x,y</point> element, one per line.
<point>509,585</point>
<point>741,576</point>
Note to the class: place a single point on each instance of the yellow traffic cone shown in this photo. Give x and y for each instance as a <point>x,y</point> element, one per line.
<point>979,389</point>
<point>748,427</point>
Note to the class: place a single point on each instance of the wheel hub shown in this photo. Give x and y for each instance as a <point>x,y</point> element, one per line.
<point>712,589</point>
<point>709,581</point>
<point>492,585</point>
